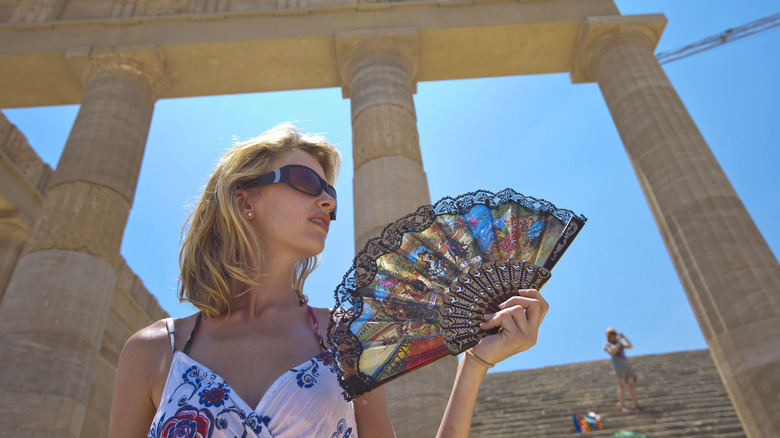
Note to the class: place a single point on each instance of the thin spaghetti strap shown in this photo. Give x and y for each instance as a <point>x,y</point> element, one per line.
<point>316,328</point>
<point>188,345</point>
<point>169,326</point>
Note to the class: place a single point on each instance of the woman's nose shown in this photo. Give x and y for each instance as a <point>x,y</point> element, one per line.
<point>328,203</point>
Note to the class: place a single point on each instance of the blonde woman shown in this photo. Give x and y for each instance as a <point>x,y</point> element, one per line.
<point>254,360</point>
<point>615,346</point>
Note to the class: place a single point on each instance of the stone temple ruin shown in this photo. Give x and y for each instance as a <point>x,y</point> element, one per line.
<point>67,293</point>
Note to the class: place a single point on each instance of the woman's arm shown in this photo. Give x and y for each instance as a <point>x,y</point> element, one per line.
<point>142,368</point>
<point>519,319</point>
<point>371,416</point>
<point>626,342</point>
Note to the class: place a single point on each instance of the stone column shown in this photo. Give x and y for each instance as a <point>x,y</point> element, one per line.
<point>377,68</point>
<point>729,273</point>
<point>55,308</point>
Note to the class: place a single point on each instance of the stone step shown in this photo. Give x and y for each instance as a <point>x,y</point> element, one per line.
<point>681,393</point>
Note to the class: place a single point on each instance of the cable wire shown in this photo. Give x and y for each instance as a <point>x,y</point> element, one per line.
<point>720,39</point>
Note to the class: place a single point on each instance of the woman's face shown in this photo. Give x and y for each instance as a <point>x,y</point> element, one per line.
<point>290,223</point>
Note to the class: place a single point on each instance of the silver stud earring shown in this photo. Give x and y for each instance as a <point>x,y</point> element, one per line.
<point>249,214</point>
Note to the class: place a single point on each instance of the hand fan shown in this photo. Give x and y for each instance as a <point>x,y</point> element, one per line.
<point>418,291</point>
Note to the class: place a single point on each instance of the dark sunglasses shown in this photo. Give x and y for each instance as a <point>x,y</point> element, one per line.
<point>301,178</point>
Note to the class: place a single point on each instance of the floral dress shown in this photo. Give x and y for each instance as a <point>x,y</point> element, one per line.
<point>306,401</point>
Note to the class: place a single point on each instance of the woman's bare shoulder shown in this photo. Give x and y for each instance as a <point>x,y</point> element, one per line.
<point>147,354</point>
<point>156,337</point>
<point>149,343</point>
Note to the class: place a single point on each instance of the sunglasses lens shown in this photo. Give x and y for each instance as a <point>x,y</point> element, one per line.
<point>305,180</point>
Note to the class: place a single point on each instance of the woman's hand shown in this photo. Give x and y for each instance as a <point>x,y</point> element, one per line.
<point>519,320</point>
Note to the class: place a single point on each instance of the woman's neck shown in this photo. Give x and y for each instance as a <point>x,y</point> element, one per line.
<point>272,289</point>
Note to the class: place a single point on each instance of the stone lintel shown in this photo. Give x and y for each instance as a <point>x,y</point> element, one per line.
<point>226,52</point>
<point>144,62</point>
<point>356,48</point>
<point>600,32</point>
<point>36,11</point>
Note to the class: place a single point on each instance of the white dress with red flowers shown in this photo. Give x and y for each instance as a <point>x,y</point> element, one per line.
<point>306,401</point>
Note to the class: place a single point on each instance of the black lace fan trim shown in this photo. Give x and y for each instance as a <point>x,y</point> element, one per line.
<point>346,348</point>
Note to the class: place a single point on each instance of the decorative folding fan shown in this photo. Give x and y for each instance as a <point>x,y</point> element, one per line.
<point>420,290</point>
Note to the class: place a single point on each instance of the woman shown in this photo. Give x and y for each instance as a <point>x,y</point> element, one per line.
<point>615,347</point>
<point>253,238</point>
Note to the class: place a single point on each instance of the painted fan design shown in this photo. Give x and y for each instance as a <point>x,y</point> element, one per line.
<point>418,292</point>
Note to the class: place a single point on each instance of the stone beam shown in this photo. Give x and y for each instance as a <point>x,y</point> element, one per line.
<point>228,53</point>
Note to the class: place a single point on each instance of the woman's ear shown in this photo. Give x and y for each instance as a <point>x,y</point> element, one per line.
<point>243,199</point>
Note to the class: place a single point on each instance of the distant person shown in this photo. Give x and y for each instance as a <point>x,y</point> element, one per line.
<point>616,345</point>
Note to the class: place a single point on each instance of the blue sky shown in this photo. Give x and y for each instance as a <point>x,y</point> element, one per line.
<point>540,135</point>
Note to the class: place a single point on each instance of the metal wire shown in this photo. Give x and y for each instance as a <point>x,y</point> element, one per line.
<point>720,39</point>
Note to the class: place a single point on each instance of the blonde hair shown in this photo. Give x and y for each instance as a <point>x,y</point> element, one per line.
<point>217,242</point>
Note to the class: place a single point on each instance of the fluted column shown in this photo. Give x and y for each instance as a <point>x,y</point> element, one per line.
<point>377,69</point>
<point>56,305</point>
<point>729,273</point>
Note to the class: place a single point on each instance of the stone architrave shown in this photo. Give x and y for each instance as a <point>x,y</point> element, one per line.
<point>377,69</point>
<point>54,312</point>
<point>35,11</point>
<point>729,273</point>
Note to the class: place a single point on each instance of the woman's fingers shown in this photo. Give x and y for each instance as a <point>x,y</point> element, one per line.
<point>508,319</point>
<point>519,319</point>
<point>534,304</point>
<point>537,310</point>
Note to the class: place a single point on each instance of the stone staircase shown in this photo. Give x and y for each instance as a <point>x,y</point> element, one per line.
<point>681,395</point>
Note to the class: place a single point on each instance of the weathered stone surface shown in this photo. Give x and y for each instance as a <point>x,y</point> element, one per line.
<point>431,388</point>
<point>728,271</point>
<point>399,182</point>
<point>13,235</point>
<point>106,145</point>
<point>378,67</point>
<point>57,302</point>
<point>14,146</point>
<point>386,131</point>
<point>66,423</point>
<point>682,396</point>
<point>81,216</point>
<point>132,308</point>
<point>24,177</point>
<point>380,64</point>
<point>60,323</point>
<point>144,63</point>
<point>33,11</point>
<point>225,49</point>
